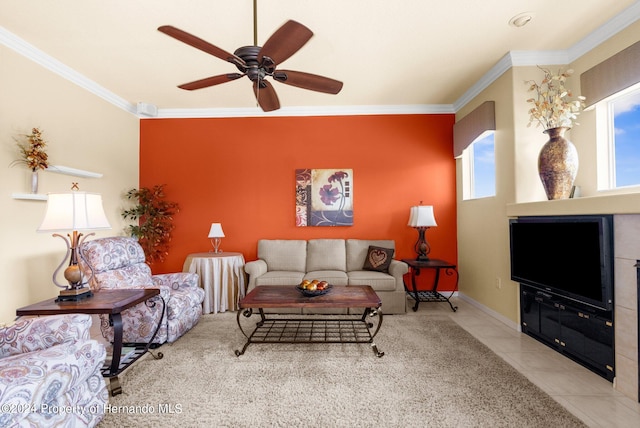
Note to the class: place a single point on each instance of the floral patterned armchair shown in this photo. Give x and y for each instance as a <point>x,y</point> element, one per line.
<point>119,262</point>
<point>50,373</point>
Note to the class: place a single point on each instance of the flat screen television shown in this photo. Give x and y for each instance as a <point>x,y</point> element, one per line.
<point>567,256</point>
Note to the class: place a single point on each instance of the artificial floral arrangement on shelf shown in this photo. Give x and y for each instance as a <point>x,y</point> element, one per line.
<point>552,107</point>
<point>32,152</point>
<point>155,221</point>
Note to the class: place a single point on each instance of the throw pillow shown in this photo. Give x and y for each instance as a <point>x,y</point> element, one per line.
<point>378,259</point>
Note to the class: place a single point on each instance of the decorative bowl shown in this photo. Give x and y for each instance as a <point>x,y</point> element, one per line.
<point>313,293</point>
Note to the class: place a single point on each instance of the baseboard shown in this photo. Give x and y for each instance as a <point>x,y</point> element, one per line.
<point>509,323</point>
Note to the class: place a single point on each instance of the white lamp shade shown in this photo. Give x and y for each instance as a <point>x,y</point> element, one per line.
<point>74,211</point>
<point>422,216</point>
<point>216,231</point>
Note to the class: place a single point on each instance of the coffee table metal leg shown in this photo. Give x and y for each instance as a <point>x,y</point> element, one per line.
<point>372,313</point>
<point>378,353</point>
<point>247,314</point>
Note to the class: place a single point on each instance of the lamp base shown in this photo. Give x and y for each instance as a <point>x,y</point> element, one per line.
<point>74,294</point>
<point>216,245</point>
<point>422,247</point>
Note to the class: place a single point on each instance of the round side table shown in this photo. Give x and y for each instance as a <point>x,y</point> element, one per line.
<point>222,277</point>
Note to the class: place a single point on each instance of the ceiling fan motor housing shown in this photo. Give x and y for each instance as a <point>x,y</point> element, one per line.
<point>254,69</point>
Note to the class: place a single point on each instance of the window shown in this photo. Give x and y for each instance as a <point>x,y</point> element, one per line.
<point>473,141</point>
<point>613,87</point>
<point>481,169</point>
<point>624,132</point>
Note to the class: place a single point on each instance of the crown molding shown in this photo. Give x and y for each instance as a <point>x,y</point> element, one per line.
<point>29,51</point>
<point>307,111</point>
<point>509,60</point>
<point>605,31</point>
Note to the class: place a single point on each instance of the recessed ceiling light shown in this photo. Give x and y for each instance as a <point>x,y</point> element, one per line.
<point>521,19</point>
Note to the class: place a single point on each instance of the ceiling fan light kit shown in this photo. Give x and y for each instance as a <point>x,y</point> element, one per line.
<point>258,63</point>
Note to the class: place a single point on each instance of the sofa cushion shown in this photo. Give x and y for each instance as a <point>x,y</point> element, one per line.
<point>357,251</point>
<point>283,254</point>
<point>282,277</point>
<point>379,281</point>
<point>326,254</point>
<point>333,277</point>
<point>378,259</point>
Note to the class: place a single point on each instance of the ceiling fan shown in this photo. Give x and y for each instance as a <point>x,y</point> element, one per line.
<point>258,63</point>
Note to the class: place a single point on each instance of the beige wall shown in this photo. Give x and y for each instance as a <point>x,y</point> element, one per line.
<point>483,238</point>
<point>483,241</point>
<point>83,131</point>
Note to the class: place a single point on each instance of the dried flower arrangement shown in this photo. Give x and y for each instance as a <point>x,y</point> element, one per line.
<point>32,152</point>
<point>552,107</point>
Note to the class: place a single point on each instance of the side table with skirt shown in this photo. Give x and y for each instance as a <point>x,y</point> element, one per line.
<point>222,277</point>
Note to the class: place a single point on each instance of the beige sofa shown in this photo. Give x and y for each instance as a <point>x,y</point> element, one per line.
<point>340,262</point>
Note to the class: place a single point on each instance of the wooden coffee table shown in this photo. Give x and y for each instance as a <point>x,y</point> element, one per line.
<point>279,328</point>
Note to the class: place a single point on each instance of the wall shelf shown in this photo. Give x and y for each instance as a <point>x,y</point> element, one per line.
<point>60,169</point>
<point>29,196</point>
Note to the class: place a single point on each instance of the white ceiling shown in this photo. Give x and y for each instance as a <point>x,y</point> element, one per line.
<point>409,53</point>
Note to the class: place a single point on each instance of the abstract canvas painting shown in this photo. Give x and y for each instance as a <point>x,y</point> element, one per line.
<point>324,197</point>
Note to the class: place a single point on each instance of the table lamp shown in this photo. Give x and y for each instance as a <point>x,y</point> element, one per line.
<point>215,233</point>
<point>421,218</point>
<point>73,211</point>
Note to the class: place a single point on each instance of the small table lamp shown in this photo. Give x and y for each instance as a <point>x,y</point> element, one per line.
<point>215,233</point>
<point>73,211</point>
<point>421,218</point>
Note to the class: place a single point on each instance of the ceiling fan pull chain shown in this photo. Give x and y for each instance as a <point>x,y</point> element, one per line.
<point>257,89</point>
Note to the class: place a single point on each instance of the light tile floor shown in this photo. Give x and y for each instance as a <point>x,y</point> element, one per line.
<point>585,394</point>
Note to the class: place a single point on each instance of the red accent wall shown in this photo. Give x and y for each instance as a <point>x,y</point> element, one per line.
<point>241,172</point>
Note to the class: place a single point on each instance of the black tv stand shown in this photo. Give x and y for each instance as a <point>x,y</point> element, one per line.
<point>576,330</point>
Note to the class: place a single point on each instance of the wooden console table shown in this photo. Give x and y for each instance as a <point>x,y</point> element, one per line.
<point>432,295</point>
<point>106,301</point>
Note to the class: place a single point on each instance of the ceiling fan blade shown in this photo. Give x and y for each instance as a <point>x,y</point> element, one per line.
<point>198,43</point>
<point>210,81</point>
<point>266,95</point>
<point>309,81</point>
<point>286,41</point>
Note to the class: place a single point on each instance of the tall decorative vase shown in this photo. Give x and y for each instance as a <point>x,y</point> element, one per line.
<point>558,164</point>
<point>34,181</point>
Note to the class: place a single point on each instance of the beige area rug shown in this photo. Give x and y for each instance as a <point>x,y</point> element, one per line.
<point>433,374</point>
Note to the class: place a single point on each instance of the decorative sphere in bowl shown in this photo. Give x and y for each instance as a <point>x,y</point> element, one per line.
<point>311,288</point>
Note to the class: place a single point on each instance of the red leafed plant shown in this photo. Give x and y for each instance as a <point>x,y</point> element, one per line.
<point>154,216</point>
